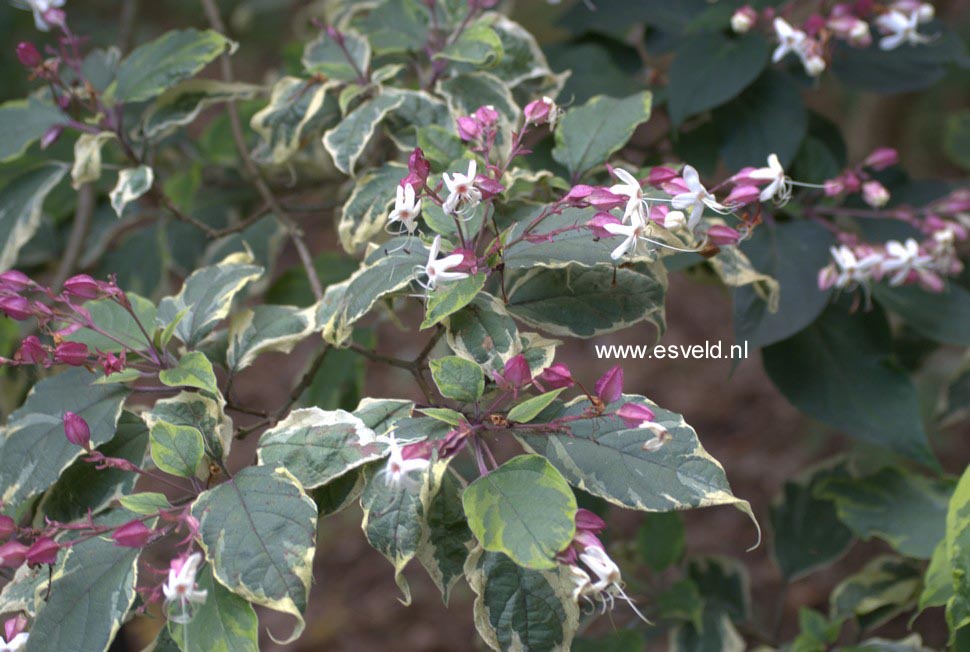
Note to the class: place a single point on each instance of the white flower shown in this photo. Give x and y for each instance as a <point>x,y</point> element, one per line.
<point>900,28</point>
<point>789,40</point>
<point>631,233</point>
<point>406,209</point>
<point>439,270</point>
<point>608,583</point>
<point>180,586</point>
<point>901,259</point>
<point>779,186</point>
<point>814,65</point>
<point>462,190</point>
<point>397,470</point>
<point>851,270</point>
<point>39,7</point>
<point>630,188</point>
<point>695,199</point>
<point>16,644</point>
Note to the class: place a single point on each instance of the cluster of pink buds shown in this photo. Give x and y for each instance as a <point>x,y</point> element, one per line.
<point>14,554</point>
<point>542,111</point>
<point>14,634</point>
<point>481,125</point>
<point>596,577</point>
<point>858,179</point>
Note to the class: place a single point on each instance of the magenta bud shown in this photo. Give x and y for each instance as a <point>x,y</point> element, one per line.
<point>833,187</point>
<point>112,363</point>
<point>723,235</point>
<point>517,372</point>
<point>12,554</point>
<point>83,287</point>
<point>587,520</point>
<point>14,626</point>
<point>15,281</point>
<point>44,551</point>
<point>133,534</point>
<point>661,175</point>
<point>16,308</point>
<point>578,195</point>
<point>74,354</point>
<point>31,351</point>
<point>875,194</point>
<point>486,115</point>
<point>418,165</point>
<point>742,195</point>
<point>882,158</point>
<point>605,200</point>
<point>587,539</point>
<point>77,431</point>
<point>538,111</point>
<point>489,186</point>
<point>634,414</point>
<point>556,376</point>
<point>658,213</point>
<point>468,128</point>
<point>610,385</point>
<point>28,55</point>
<point>7,526</point>
<point>598,224</point>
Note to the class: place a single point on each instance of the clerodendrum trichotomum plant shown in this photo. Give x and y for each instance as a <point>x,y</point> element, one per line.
<point>489,206</point>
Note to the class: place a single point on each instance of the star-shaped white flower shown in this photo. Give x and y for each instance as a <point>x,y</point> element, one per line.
<point>901,259</point>
<point>631,234</point>
<point>40,7</point>
<point>853,271</point>
<point>180,587</point>
<point>789,40</point>
<point>900,28</point>
<point>437,270</point>
<point>779,186</point>
<point>630,188</point>
<point>406,208</point>
<point>695,199</point>
<point>397,472</point>
<point>16,644</point>
<point>462,191</point>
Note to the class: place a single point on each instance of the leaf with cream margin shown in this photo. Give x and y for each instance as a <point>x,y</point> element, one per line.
<point>21,204</point>
<point>266,328</point>
<point>87,157</point>
<point>132,184</point>
<point>346,141</point>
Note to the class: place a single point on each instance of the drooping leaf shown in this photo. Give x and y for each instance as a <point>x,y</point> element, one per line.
<point>132,184</point>
<point>523,509</point>
<point>258,530</point>
<point>468,91</point>
<point>446,540</point>
<point>21,201</point>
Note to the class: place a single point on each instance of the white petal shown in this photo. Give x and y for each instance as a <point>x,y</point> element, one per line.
<point>692,179</point>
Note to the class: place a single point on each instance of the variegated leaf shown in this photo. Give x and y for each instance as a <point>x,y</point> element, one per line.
<point>182,104</point>
<point>87,157</point>
<point>296,107</point>
<point>201,412</point>
<point>484,332</point>
<point>446,540</point>
<point>346,141</point>
<point>365,212</point>
<point>21,202</point>
<point>132,184</point>
<point>266,328</point>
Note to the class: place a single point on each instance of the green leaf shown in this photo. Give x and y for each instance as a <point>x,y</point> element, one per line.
<point>132,184</point>
<point>225,622</point>
<point>484,332</point>
<point>182,104</point>
<point>938,580</point>
<point>524,509</point>
<point>38,426</point>
<point>452,297</point>
<point>145,502</point>
<point>177,450</point>
<point>325,56</point>
<point>478,44</point>
<point>346,141</point>
<point>958,552</point>
<point>682,602</point>
<point>91,591</point>
<point>21,202</point>
<point>193,370</point>
<point>198,411</point>
<point>263,329</point>
<point>885,587</point>
<point>207,295</point>
<point>258,531</point>
<point>364,214</point>
<point>906,510</point>
<point>468,91</point>
<point>807,531</point>
<point>940,316</point>
<point>660,540</point>
<point>589,134</point>
<point>902,70</point>
<point>296,108</point>
<point>397,26</point>
<point>838,371</point>
<point>956,138</point>
<point>529,409</point>
<point>446,539</point>
<point>767,118</point>
<point>709,69</point>
<point>318,447</point>
<point>118,323</point>
<point>589,301</point>
<point>458,378</point>
<point>792,253</point>
<point>717,632</point>
<point>451,417</point>
<point>521,609</point>
<point>156,66</point>
<point>22,122</point>
<point>724,583</point>
<point>605,458</point>
<point>522,57</point>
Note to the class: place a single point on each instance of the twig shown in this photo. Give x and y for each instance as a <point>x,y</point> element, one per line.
<point>79,231</point>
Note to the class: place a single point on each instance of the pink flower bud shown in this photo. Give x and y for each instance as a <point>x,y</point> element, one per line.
<point>16,308</point>
<point>83,287</point>
<point>743,19</point>
<point>598,223</point>
<point>112,363</point>
<point>661,175</point>
<point>517,373</point>
<point>587,520</point>
<point>469,263</point>
<point>742,195</point>
<point>28,55</point>
<point>851,181</point>
<point>14,626</point>
<point>587,539</point>
<point>658,213</point>
<point>875,194</point>
<point>74,354</point>
<point>55,17</point>
<point>44,551</point>
<point>7,526</point>
<point>77,431</point>
<point>489,186</point>
<point>538,111</point>
<point>578,195</point>
<point>486,115</point>
<point>14,281</point>
<point>833,187</point>
<point>610,385</point>
<point>605,200</point>
<point>813,25</point>
<point>556,376</point>
<point>33,352</point>
<point>930,281</point>
<point>418,165</point>
<point>12,554</point>
<point>133,534</point>
<point>723,235</point>
<point>882,158</point>
<point>468,128</point>
<point>634,414</point>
